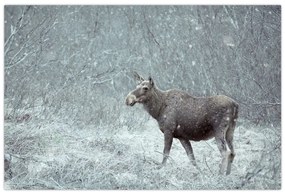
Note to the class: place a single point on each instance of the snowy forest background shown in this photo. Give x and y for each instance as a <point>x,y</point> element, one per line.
<point>68,70</point>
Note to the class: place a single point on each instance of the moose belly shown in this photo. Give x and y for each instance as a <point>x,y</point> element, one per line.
<point>194,133</point>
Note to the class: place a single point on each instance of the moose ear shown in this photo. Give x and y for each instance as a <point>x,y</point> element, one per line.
<point>138,77</point>
<point>150,81</point>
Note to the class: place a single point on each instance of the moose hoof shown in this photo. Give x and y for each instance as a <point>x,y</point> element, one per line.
<point>160,166</point>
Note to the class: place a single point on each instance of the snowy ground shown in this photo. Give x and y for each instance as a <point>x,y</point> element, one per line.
<point>57,155</point>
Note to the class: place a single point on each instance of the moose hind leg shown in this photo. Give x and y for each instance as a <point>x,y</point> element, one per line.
<point>229,139</point>
<point>221,142</point>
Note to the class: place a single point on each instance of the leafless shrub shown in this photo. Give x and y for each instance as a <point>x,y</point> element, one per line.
<point>69,68</point>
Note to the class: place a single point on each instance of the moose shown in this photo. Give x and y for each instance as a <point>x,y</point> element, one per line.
<point>185,117</point>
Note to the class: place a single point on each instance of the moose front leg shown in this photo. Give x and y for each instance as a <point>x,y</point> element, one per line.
<point>168,138</point>
<point>189,151</point>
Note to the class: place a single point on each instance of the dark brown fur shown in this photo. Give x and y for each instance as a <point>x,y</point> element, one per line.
<point>185,117</point>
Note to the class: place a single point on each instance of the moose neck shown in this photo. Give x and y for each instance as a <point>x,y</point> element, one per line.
<point>156,103</point>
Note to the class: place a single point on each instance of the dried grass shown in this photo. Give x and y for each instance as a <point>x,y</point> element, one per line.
<point>55,155</point>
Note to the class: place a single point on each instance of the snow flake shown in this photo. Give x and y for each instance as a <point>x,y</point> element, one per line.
<point>198,27</point>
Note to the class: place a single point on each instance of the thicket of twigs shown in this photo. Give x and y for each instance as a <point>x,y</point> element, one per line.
<point>68,70</point>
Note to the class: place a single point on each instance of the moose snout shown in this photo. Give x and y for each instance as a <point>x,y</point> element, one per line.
<point>131,100</point>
